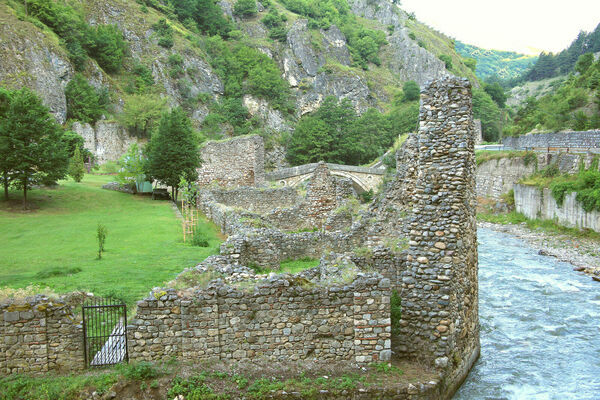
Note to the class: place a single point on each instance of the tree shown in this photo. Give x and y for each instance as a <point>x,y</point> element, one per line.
<point>496,92</point>
<point>6,152</point>
<point>84,102</point>
<point>411,91</point>
<point>584,62</point>
<point>35,140</point>
<point>173,151</point>
<point>141,113</point>
<point>76,166</point>
<point>108,47</point>
<point>245,8</point>
<point>485,109</point>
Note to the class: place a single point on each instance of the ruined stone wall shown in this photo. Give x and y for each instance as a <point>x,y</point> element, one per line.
<point>570,139</point>
<point>439,285</point>
<point>279,319</point>
<point>257,200</point>
<point>235,162</point>
<point>39,335</point>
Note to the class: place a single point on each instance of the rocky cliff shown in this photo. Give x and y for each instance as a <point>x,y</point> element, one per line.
<point>316,63</point>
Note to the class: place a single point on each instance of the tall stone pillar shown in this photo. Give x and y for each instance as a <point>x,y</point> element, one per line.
<point>438,288</point>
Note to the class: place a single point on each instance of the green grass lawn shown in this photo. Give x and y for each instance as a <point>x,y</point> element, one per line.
<point>144,246</point>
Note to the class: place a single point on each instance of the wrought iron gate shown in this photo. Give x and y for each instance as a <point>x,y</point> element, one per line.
<point>104,332</point>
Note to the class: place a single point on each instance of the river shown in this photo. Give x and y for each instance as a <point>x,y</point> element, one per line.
<point>540,326</point>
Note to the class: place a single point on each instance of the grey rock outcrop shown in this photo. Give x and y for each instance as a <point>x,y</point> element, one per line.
<point>273,119</point>
<point>107,140</point>
<point>303,68</point>
<point>29,58</point>
<point>407,59</point>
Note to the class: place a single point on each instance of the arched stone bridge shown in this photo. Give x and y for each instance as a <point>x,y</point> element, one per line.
<point>364,178</point>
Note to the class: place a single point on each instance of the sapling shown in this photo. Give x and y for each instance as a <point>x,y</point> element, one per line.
<point>101,235</point>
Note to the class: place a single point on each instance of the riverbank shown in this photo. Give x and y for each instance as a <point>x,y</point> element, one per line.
<point>583,253</point>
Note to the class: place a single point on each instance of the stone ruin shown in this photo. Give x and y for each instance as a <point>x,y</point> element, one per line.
<point>417,239</point>
<point>236,162</point>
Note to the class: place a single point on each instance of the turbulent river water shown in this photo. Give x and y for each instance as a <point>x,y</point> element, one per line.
<point>540,326</point>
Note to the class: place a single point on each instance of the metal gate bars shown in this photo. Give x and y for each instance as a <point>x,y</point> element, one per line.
<point>104,332</point>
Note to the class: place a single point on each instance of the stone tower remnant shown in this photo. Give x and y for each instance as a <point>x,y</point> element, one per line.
<point>439,287</point>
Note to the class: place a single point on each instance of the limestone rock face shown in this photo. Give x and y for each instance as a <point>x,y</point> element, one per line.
<point>408,59</point>
<point>305,69</point>
<point>31,59</point>
<point>197,77</point>
<point>108,141</point>
<point>272,119</point>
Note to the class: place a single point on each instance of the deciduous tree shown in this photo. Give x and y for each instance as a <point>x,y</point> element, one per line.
<point>35,141</point>
<point>173,151</point>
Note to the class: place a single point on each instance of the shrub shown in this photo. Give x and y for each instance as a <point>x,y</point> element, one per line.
<point>108,47</point>
<point>447,61</point>
<point>245,8</point>
<point>140,371</point>
<point>165,33</point>
<point>395,312</point>
<point>76,166</point>
<point>84,102</point>
<point>529,157</point>
<point>411,91</point>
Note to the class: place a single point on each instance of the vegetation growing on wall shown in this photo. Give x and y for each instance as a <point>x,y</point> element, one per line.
<point>586,183</point>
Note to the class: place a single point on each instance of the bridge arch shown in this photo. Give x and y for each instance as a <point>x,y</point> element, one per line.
<point>363,179</point>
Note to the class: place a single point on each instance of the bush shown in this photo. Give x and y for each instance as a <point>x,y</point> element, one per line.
<point>108,47</point>
<point>411,91</point>
<point>84,102</point>
<point>395,312</point>
<point>165,33</point>
<point>101,236</point>
<point>140,371</point>
<point>245,8</point>
<point>447,61</point>
<point>76,166</point>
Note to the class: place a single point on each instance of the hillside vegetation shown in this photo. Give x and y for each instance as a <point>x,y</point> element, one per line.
<point>236,67</point>
<point>550,65</point>
<point>571,104</point>
<point>503,64</point>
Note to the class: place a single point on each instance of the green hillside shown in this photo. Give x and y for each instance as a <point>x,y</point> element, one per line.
<point>504,64</point>
<point>134,59</point>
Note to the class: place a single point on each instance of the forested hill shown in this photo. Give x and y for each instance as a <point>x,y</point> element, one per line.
<point>550,65</point>
<point>235,67</point>
<point>503,64</point>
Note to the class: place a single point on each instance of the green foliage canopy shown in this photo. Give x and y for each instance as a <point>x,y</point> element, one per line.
<point>245,8</point>
<point>141,113</point>
<point>173,151</point>
<point>411,91</point>
<point>84,102</point>
<point>32,139</point>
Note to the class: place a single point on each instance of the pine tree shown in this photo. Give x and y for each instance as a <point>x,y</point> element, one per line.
<point>76,166</point>
<point>173,151</point>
